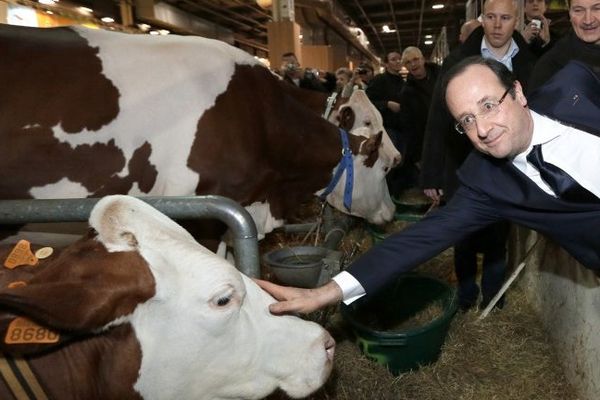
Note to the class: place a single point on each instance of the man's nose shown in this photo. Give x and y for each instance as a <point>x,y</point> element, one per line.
<point>483,127</point>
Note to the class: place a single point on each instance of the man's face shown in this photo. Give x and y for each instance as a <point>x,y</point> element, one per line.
<point>499,22</point>
<point>535,8</point>
<point>290,66</point>
<point>394,62</point>
<point>415,63</point>
<point>585,18</point>
<point>502,134</point>
<point>341,80</point>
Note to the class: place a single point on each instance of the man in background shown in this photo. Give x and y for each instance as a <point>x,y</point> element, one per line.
<point>537,31</point>
<point>416,99</point>
<point>384,91</point>
<point>582,44</point>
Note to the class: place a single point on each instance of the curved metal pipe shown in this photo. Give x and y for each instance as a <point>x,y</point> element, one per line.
<point>237,218</point>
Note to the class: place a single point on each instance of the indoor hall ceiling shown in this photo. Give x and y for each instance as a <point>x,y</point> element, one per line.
<point>411,19</point>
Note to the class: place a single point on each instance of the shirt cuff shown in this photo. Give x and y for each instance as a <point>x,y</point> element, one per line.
<point>351,288</point>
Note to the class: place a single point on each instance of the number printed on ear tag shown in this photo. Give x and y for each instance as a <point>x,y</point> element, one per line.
<point>22,331</point>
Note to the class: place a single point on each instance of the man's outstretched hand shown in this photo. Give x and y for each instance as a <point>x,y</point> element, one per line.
<point>303,301</point>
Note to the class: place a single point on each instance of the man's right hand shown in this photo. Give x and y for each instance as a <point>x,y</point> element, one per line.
<point>435,195</point>
<point>295,300</point>
<point>394,106</point>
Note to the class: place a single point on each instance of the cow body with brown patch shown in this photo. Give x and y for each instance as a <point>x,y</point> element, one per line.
<point>90,113</point>
<point>145,312</point>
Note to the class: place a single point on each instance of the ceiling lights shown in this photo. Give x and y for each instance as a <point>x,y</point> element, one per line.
<point>386,29</point>
<point>437,6</point>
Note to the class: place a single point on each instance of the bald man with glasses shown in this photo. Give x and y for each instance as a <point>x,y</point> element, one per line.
<point>504,178</point>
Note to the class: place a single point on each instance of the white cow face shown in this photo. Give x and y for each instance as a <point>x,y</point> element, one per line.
<point>376,156</point>
<point>208,333</point>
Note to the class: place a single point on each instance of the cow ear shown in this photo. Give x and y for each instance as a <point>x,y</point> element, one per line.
<point>84,288</point>
<point>346,117</point>
<point>370,148</point>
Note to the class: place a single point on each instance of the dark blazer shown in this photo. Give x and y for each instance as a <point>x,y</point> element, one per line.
<point>491,190</point>
<point>444,149</point>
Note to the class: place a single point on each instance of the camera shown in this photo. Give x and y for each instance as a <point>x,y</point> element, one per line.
<point>537,23</point>
<point>311,73</point>
<point>290,67</point>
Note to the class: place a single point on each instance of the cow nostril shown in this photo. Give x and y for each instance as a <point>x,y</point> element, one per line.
<point>330,348</point>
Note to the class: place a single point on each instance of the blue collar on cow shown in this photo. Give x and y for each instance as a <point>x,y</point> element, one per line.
<point>330,103</point>
<point>347,165</point>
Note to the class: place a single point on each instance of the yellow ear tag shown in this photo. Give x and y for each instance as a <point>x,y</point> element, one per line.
<point>20,255</point>
<point>23,331</point>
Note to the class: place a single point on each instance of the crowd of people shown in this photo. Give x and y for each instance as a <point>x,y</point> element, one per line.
<point>477,99</point>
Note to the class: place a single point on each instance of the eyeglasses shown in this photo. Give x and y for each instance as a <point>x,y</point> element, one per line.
<point>488,109</point>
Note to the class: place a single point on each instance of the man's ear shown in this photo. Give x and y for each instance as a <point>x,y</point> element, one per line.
<point>519,95</point>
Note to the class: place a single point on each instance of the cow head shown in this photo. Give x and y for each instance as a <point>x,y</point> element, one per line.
<point>373,156</point>
<point>204,330</point>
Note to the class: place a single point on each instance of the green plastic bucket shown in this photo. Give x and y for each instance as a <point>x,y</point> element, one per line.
<point>375,321</point>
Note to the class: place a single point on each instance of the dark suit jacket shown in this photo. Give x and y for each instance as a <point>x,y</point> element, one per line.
<point>491,190</point>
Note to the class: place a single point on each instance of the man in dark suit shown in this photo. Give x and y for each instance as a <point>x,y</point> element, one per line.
<point>526,167</point>
<point>444,151</point>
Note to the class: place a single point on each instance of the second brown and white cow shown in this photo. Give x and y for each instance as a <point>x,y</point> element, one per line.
<point>139,310</point>
<point>86,113</point>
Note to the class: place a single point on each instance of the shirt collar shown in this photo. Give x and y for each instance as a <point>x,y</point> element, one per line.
<point>544,131</point>
<point>506,59</point>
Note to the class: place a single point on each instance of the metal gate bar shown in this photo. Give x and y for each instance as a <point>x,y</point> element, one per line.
<point>237,218</point>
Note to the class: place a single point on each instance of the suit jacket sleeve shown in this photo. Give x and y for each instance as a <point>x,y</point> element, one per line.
<point>467,212</point>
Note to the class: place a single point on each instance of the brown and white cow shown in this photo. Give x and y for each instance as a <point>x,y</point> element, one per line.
<point>90,112</point>
<point>145,312</point>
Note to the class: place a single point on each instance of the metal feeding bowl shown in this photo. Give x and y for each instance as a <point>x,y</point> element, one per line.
<point>298,266</point>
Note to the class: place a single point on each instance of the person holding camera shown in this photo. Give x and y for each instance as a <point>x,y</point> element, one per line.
<point>310,79</point>
<point>536,31</point>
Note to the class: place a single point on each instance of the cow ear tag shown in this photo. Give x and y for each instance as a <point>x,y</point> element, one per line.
<point>20,255</point>
<point>44,252</point>
<point>24,331</point>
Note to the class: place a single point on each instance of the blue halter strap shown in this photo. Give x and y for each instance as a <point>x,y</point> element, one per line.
<point>347,165</point>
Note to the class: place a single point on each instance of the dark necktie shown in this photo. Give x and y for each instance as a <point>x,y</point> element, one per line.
<point>563,185</point>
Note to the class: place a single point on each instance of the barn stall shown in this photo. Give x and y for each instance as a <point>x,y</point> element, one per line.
<point>508,355</point>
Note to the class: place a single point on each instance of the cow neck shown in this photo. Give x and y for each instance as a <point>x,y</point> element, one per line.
<point>346,164</point>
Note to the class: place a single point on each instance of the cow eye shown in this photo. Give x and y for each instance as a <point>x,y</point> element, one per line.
<point>223,301</point>
<point>223,297</point>
<point>367,123</point>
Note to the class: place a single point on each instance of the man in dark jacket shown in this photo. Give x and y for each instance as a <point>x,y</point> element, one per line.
<point>537,30</point>
<point>583,44</point>
<point>384,91</point>
<point>416,99</point>
<point>444,149</point>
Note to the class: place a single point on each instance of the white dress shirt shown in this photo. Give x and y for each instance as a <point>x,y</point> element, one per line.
<point>572,150</point>
<point>506,59</point>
